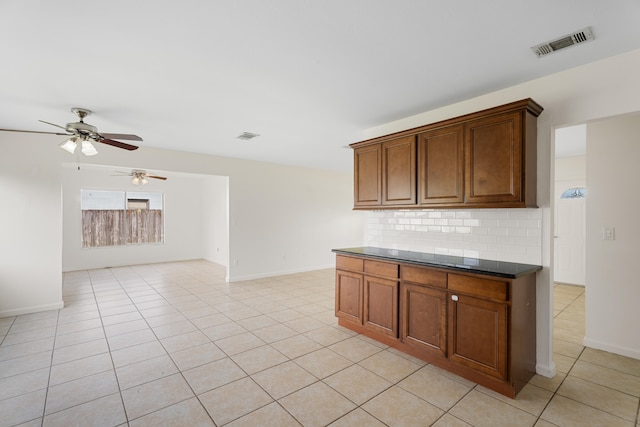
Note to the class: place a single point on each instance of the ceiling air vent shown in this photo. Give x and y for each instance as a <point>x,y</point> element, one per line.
<point>578,37</point>
<point>247,135</point>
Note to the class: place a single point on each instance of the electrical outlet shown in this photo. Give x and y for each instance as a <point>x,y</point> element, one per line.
<point>608,233</point>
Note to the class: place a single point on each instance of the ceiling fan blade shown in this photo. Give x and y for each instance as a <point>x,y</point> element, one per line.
<point>53,124</point>
<point>117,144</point>
<point>157,177</point>
<point>124,136</point>
<point>33,131</point>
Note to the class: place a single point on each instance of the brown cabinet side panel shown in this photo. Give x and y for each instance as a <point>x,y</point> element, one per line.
<point>349,296</point>
<point>424,317</point>
<point>440,166</point>
<point>494,159</point>
<point>368,176</point>
<point>381,305</point>
<point>399,172</point>
<point>478,335</point>
<point>522,334</point>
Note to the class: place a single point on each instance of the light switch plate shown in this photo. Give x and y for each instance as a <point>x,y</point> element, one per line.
<point>608,233</point>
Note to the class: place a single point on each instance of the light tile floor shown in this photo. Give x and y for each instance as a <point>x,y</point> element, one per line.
<point>173,344</point>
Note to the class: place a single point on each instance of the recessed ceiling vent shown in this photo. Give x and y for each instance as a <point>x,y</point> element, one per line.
<point>569,40</point>
<point>245,136</point>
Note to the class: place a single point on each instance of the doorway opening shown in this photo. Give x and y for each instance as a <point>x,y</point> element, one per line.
<point>569,240</point>
<point>570,205</point>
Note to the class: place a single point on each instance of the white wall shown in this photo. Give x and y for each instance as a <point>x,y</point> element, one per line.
<point>215,220</point>
<point>287,219</point>
<point>600,89</point>
<point>183,220</point>
<point>571,169</point>
<point>613,291</point>
<point>30,228</point>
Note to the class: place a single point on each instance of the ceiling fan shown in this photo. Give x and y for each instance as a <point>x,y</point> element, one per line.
<point>84,134</point>
<point>139,176</point>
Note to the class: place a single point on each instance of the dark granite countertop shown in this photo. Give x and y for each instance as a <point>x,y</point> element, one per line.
<point>509,270</point>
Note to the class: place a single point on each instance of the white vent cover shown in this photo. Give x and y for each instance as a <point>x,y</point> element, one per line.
<point>563,42</point>
<point>247,135</point>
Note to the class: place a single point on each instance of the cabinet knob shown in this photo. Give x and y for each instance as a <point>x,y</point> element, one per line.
<point>454,297</point>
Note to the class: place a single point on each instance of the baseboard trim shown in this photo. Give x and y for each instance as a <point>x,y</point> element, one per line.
<point>548,371</point>
<point>32,309</point>
<point>611,348</point>
<point>278,273</point>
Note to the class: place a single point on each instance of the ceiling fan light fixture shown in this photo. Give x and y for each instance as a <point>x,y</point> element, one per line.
<point>88,149</point>
<point>139,178</point>
<point>69,145</point>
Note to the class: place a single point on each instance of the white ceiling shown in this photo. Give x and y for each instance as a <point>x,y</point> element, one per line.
<point>308,76</point>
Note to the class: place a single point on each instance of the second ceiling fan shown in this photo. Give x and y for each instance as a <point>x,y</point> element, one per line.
<point>139,176</point>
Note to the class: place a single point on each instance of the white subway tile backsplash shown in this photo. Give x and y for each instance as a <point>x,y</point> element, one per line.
<point>507,223</point>
<point>513,235</point>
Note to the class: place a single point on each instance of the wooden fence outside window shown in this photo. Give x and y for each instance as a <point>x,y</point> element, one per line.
<point>121,227</point>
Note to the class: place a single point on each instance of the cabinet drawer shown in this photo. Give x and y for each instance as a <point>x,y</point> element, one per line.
<point>484,288</point>
<point>423,276</point>
<point>379,268</point>
<point>349,263</point>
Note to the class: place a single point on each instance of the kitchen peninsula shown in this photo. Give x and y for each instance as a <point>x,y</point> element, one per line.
<point>473,317</point>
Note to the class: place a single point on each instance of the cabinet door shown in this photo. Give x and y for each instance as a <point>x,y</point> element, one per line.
<point>478,334</point>
<point>441,166</point>
<point>399,171</point>
<point>368,175</point>
<point>494,159</point>
<point>381,305</point>
<point>349,296</point>
<point>423,313</point>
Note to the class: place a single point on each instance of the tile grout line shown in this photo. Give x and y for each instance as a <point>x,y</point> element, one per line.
<point>46,394</point>
<point>124,408</point>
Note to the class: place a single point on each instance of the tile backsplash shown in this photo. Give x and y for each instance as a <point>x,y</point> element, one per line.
<point>513,235</point>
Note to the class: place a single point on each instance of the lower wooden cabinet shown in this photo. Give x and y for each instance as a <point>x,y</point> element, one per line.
<point>349,296</point>
<point>381,305</point>
<point>478,334</point>
<point>424,318</point>
<point>480,327</point>
<point>367,294</point>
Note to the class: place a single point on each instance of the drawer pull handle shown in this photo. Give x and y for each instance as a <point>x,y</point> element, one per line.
<point>454,297</point>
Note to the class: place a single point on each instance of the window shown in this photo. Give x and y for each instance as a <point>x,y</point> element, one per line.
<point>117,218</point>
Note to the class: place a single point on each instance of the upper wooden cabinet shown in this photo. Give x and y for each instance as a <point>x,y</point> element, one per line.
<point>497,167</point>
<point>485,159</point>
<point>368,176</point>
<point>399,171</point>
<point>441,166</point>
<point>385,173</point>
